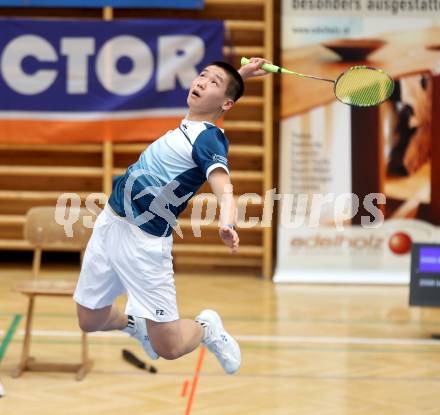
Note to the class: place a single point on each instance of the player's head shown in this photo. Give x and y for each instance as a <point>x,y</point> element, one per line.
<point>235,86</point>
<point>215,89</point>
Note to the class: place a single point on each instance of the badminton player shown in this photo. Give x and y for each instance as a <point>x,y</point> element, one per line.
<point>130,248</point>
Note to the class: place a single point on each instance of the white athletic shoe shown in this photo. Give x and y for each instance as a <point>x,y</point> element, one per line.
<point>142,335</point>
<point>219,341</point>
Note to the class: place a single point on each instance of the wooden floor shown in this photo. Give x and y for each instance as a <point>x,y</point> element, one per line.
<point>309,350</point>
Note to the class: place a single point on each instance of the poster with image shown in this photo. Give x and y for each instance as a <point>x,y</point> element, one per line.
<point>358,185</point>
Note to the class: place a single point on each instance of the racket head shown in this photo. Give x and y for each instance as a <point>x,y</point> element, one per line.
<point>363,86</point>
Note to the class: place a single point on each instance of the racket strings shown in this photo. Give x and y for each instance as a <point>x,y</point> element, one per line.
<point>363,86</point>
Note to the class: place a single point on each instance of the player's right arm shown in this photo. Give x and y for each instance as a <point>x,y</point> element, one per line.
<point>210,153</point>
<point>253,68</point>
<point>221,186</point>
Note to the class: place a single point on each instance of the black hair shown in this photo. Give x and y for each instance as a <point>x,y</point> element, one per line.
<point>235,87</point>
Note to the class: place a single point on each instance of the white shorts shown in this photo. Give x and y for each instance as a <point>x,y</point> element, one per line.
<point>120,257</point>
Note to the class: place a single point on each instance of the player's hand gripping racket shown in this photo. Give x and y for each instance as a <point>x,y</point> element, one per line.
<point>360,86</point>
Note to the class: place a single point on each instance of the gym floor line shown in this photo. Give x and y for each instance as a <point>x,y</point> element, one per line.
<point>287,320</point>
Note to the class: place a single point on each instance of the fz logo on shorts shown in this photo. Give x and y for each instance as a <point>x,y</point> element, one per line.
<point>160,312</point>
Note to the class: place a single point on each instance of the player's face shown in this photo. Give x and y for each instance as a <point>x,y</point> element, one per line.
<point>207,92</point>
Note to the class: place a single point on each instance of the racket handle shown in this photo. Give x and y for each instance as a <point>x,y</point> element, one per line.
<point>131,358</point>
<point>268,67</point>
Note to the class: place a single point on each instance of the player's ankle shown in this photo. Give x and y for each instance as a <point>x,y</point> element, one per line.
<point>130,328</point>
<point>205,330</point>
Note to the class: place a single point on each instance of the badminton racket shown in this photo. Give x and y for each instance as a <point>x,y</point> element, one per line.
<point>359,86</point>
<point>135,361</point>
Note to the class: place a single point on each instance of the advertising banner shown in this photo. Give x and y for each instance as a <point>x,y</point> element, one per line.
<point>358,185</point>
<point>67,81</point>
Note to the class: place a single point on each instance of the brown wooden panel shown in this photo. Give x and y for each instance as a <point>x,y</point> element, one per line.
<point>46,158</point>
<point>244,137</point>
<point>210,11</point>
<point>249,113</point>
<point>84,13</point>
<point>62,184</point>
<point>435,153</point>
<point>210,236</point>
<point>12,231</point>
<point>367,163</point>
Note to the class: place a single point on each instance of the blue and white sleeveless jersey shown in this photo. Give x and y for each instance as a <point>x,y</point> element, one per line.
<point>156,189</point>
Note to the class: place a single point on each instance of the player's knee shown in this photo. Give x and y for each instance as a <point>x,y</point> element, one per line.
<point>170,352</point>
<point>87,325</point>
<point>90,320</point>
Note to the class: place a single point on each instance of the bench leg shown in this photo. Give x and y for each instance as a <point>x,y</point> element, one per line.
<point>86,364</point>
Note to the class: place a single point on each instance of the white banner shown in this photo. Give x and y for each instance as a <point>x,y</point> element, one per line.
<point>317,241</point>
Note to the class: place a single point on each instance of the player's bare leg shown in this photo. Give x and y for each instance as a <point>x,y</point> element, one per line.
<point>102,319</point>
<point>176,338</point>
<point>110,318</point>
